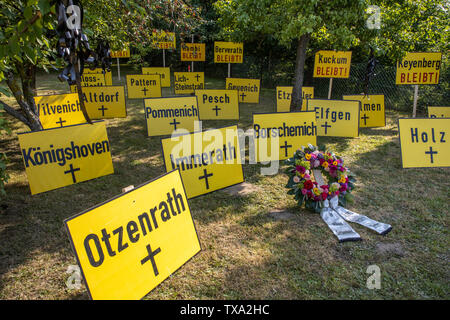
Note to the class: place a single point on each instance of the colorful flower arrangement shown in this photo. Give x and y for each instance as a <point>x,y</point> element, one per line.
<point>303,185</point>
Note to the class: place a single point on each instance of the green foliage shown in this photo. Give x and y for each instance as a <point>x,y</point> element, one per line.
<point>336,22</point>
<point>23,33</point>
<point>412,26</point>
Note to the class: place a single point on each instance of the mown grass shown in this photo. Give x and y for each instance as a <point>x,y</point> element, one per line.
<point>246,253</point>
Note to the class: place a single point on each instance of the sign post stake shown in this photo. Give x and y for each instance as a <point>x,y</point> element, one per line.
<point>329,88</point>
<point>229,70</point>
<point>192,62</point>
<point>118,68</point>
<point>416,96</point>
<point>164,58</point>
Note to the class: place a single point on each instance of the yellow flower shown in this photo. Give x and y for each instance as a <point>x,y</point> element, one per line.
<point>316,191</point>
<point>307,156</point>
<point>334,163</point>
<point>342,180</point>
<point>325,164</point>
<point>302,175</point>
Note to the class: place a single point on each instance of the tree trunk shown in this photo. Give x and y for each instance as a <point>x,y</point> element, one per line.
<point>296,102</point>
<point>24,97</point>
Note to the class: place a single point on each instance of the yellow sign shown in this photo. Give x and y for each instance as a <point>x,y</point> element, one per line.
<point>332,64</point>
<point>336,118</point>
<point>164,72</point>
<point>419,68</point>
<point>193,52</point>
<point>278,135</point>
<point>248,89</point>
<point>107,74</point>
<point>165,115</point>
<point>141,86</point>
<point>90,80</point>
<point>188,82</point>
<point>218,104</point>
<point>284,97</point>
<point>128,245</point>
<point>228,52</point>
<point>60,110</point>
<point>424,142</point>
<point>105,102</point>
<point>125,53</point>
<point>372,112</point>
<point>60,157</point>
<point>438,112</point>
<point>164,40</point>
<point>93,79</point>
<point>208,161</point>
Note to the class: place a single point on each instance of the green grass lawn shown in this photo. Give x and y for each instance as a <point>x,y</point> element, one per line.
<point>246,252</point>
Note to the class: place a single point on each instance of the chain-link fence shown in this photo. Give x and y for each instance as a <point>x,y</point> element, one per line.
<point>276,71</point>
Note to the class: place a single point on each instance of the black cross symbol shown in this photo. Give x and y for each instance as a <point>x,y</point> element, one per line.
<point>243,95</point>
<point>61,121</point>
<point>205,176</point>
<point>326,126</point>
<point>217,110</point>
<point>286,146</point>
<point>72,171</point>
<point>145,91</point>
<point>103,110</point>
<point>431,152</point>
<point>151,257</point>
<point>197,76</point>
<point>174,123</point>
<point>365,118</point>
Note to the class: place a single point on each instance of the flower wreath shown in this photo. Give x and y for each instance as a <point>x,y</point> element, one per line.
<point>301,184</point>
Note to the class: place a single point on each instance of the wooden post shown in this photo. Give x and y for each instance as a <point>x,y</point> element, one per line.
<point>416,96</point>
<point>164,58</point>
<point>192,62</point>
<point>118,67</point>
<point>329,88</point>
<point>229,70</point>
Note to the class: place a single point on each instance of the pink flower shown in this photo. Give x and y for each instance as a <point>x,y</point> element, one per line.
<point>304,191</point>
<point>307,176</point>
<point>300,169</point>
<point>296,179</point>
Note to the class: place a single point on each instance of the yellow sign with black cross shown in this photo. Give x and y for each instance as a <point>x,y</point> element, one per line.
<point>105,102</point>
<point>278,135</point>
<point>128,245</point>
<point>193,52</point>
<point>90,80</point>
<point>372,112</point>
<point>165,115</point>
<point>228,52</point>
<point>248,89</point>
<point>164,72</point>
<point>59,110</point>
<point>56,158</point>
<point>208,160</point>
<point>424,142</point>
<point>218,104</point>
<point>164,40</point>
<point>336,118</point>
<point>419,68</point>
<point>107,74</point>
<point>439,112</point>
<point>284,97</point>
<point>332,64</point>
<point>188,82</point>
<point>141,86</point>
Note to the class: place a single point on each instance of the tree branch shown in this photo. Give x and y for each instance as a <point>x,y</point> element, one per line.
<point>15,113</point>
